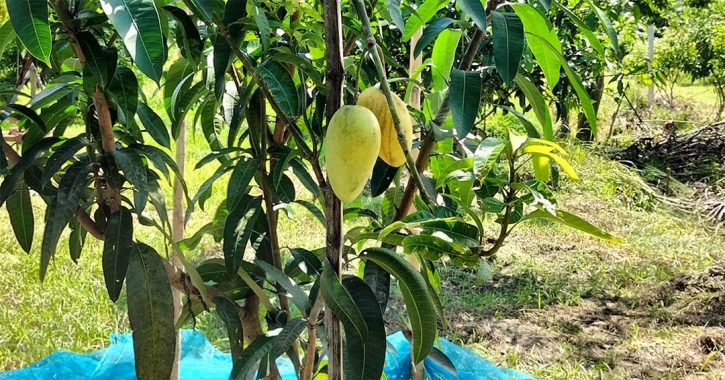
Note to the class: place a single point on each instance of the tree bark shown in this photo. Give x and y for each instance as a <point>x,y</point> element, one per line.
<point>177,234</point>
<point>333,207</point>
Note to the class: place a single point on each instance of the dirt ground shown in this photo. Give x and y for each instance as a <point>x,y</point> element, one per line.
<point>676,333</point>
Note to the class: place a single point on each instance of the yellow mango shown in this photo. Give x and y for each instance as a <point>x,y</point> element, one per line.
<point>390,151</point>
<point>352,143</point>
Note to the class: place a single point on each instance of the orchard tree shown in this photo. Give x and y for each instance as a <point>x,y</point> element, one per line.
<point>273,77</point>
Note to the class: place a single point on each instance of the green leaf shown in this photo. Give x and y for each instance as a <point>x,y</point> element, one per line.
<point>379,282</point>
<point>273,343</point>
<point>611,32</point>
<point>417,300</point>
<point>32,24</point>
<point>95,57</point>
<point>430,33</point>
<point>76,240</point>
<point>138,24</point>
<point>536,99</point>
<point>281,86</point>
<point>458,232</point>
<point>178,81</point>
<point>531,130</point>
<point>124,88</point>
<point>239,180</point>
<point>30,114</point>
<point>443,56</point>
<point>7,35</point>
<point>234,10</point>
<point>303,175</point>
<point>135,172</point>
<point>508,44</point>
<point>117,247</point>
<point>576,82</point>
<point>314,210</point>
<point>20,210</point>
<point>312,264</point>
<point>26,161</point>
<point>474,8</point>
<point>204,189</point>
<point>61,210</point>
<point>466,85</point>
<point>430,247</point>
<point>299,298</point>
<point>161,160</point>
<point>150,313</point>
<point>383,175</point>
<point>486,156</point>
<point>393,7</point>
<point>61,155</point>
<point>154,125</point>
<point>237,230</point>
<point>190,41</point>
<point>285,190</point>
<point>421,16</point>
<point>584,29</point>
<point>364,360</point>
<point>260,18</point>
<point>539,151</point>
<point>536,24</point>
<point>573,221</point>
<point>341,303</point>
<point>204,9</point>
<point>227,310</point>
<point>50,94</point>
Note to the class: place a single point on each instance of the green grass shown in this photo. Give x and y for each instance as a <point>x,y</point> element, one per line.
<point>561,305</point>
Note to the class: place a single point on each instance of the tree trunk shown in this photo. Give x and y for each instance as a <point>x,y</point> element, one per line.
<point>584,130</point>
<point>177,233</point>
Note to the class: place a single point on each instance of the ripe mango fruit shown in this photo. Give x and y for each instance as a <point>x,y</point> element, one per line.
<point>352,143</point>
<point>390,151</point>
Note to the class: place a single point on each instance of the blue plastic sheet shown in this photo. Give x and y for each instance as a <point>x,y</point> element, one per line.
<point>200,360</point>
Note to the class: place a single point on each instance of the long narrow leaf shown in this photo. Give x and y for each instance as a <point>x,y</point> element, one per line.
<point>340,301</point>
<point>117,247</point>
<point>32,24</point>
<point>20,210</point>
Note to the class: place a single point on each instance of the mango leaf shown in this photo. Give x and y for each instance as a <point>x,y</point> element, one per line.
<point>61,210</point>
<point>124,88</point>
<point>51,94</point>
<point>584,29</point>
<point>302,173</point>
<point>421,16</point>
<point>314,210</point>
<point>541,165</point>
<point>611,32</point>
<point>508,44</point>
<point>95,56</point>
<point>272,343</point>
<point>536,99</point>
<point>474,8</point>
<point>486,156</point>
<point>458,232</point>
<point>393,7</point>
<point>139,25</point>
<point>340,301</point>
<point>204,9</point>
<point>281,86</point>
<point>572,221</point>
<point>20,210</point>
<point>7,35</point>
<point>190,41</point>
<point>576,82</point>
<point>117,247</point>
<point>135,172</point>
<point>531,130</point>
<point>32,24</point>
<point>538,150</point>
<point>76,240</point>
<point>379,282</point>
<point>238,229</point>
<point>465,100</point>
<point>538,25</point>
<point>286,338</point>
<point>61,155</point>
<point>150,313</point>
<point>417,300</point>
<point>26,161</point>
<point>227,310</point>
<point>178,81</point>
<point>430,247</point>
<point>154,125</point>
<point>234,10</point>
<point>443,56</point>
<point>239,181</point>
<point>260,18</point>
<point>430,33</point>
<point>30,114</point>
<point>364,360</point>
<point>299,298</point>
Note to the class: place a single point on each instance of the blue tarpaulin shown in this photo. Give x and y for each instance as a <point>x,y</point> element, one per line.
<point>200,360</point>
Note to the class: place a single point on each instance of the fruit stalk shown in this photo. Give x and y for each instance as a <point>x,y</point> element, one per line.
<point>372,47</point>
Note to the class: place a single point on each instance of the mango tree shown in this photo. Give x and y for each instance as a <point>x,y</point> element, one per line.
<point>263,82</point>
